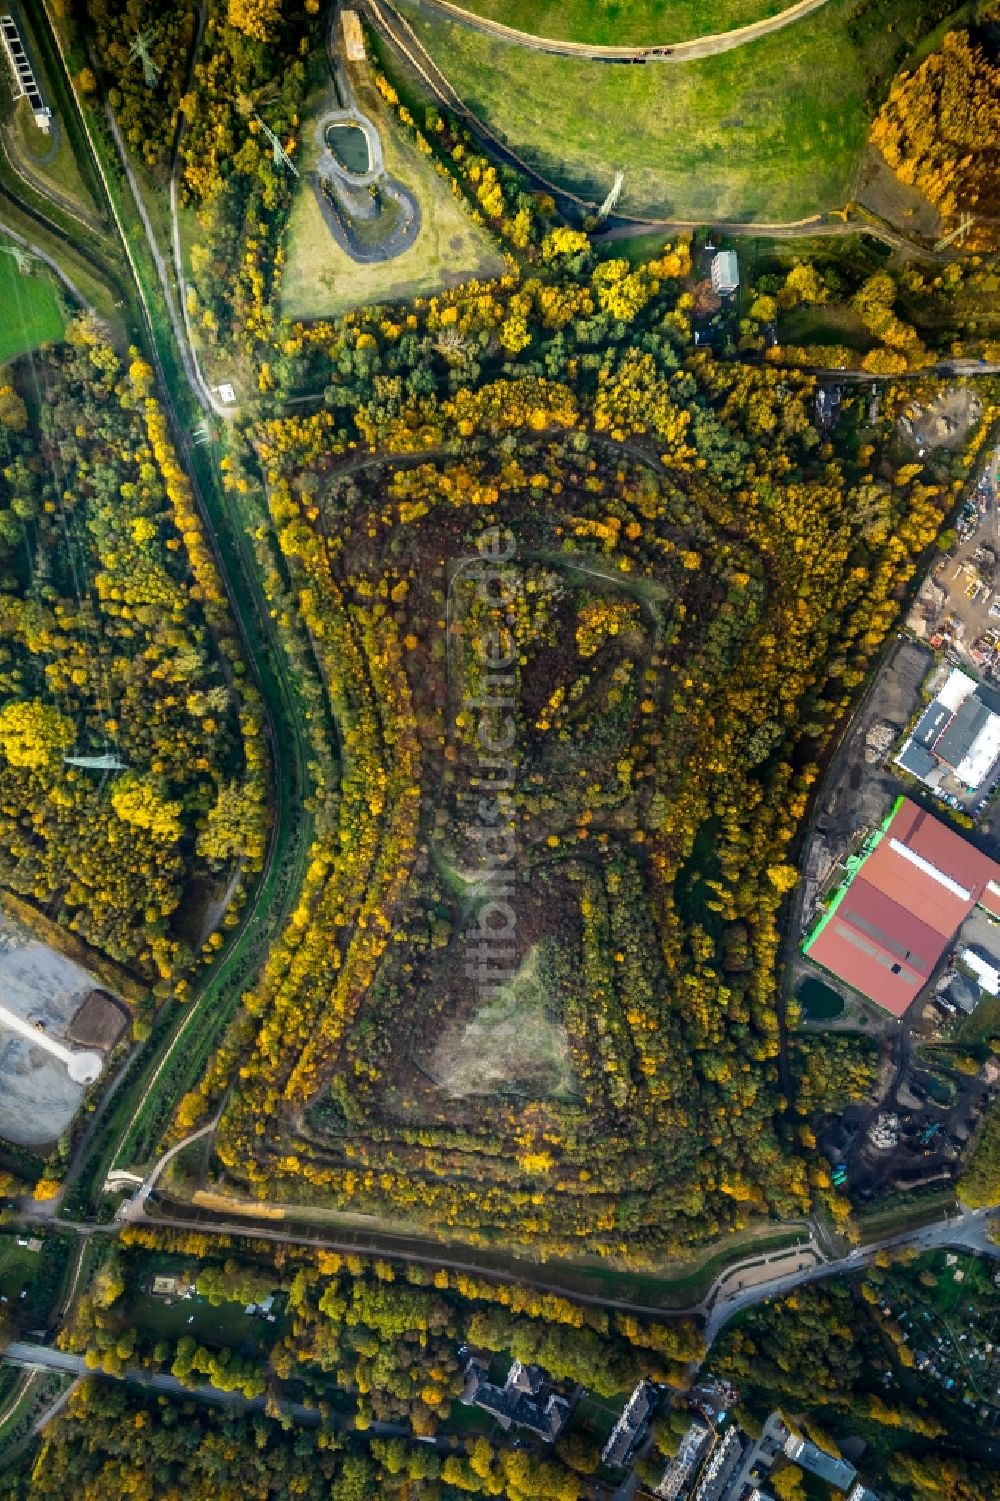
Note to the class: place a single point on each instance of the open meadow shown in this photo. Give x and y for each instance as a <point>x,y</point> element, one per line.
<point>639,23</point>
<point>769,132</point>
<point>32,314</point>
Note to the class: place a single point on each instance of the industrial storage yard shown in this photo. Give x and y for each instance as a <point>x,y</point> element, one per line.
<point>899,908</point>
<point>38,1098</point>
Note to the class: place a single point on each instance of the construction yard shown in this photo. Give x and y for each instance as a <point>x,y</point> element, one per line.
<point>958,606</point>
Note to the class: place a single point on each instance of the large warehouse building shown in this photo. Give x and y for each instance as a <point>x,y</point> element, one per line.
<point>906,896</point>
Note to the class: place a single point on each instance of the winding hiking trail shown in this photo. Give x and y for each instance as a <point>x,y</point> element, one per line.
<point>668,52</point>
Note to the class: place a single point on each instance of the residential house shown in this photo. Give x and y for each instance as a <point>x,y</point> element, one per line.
<point>524,1400</point>
<point>680,1469</point>
<point>631,1425</point>
<point>725,272</point>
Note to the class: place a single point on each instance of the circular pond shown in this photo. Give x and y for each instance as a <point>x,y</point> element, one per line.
<point>349,145</point>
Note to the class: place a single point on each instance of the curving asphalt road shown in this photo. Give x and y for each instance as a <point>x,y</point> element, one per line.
<point>328,169</point>
<point>967,1232</point>
<point>42,186</point>
<point>134,1208</point>
<point>34,1357</point>
<point>669,52</point>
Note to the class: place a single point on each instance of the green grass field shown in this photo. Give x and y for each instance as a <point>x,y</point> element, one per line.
<point>625,23</point>
<point>321,280</point>
<point>769,132</point>
<point>226,1325</point>
<point>31,311</point>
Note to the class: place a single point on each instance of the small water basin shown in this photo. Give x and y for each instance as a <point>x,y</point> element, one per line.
<point>349,145</point>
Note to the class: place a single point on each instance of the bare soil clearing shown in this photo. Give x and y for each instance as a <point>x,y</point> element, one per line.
<point>510,1042</point>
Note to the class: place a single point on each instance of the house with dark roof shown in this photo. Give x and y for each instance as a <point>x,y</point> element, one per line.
<point>524,1400</point>
<point>631,1425</point>
<point>906,896</point>
<point>957,736</point>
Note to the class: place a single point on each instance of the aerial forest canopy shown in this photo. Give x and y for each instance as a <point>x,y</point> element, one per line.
<point>940,129</point>
<point>689,585</point>
<point>118,646</point>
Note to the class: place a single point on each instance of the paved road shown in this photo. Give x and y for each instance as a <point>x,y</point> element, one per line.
<point>792,229</point>
<point>24,1395</point>
<point>335,214</point>
<point>669,52</point>
<point>967,1232</point>
<point>44,1357</point>
<point>134,1208</point>
<point>44,187</point>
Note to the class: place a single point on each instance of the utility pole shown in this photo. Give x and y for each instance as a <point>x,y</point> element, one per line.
<point>26,262</point>
<point>281,157</point>
<point>139,51</point>
<point>956,234</point>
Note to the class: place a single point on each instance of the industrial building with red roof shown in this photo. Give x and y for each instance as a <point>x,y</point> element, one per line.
<point>901,907</point>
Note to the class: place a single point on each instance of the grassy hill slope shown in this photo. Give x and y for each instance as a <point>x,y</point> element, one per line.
<point>625,23</point>
<point>769,131</point>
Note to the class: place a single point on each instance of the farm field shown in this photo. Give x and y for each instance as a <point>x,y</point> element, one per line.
<point>321,280</point>
<point>610,23</point>
<point>769,132</point>
<point>32,314</point>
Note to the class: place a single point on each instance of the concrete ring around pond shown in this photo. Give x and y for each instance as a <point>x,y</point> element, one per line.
<point>338,157</point>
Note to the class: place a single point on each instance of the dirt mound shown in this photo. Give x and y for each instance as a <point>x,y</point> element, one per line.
<point>99,1023</point>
